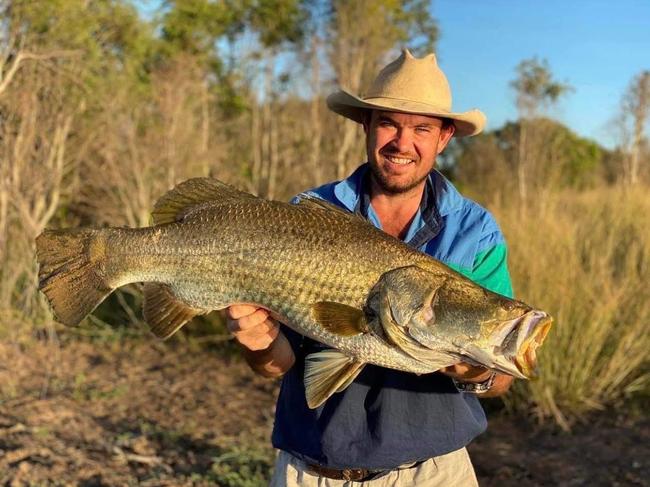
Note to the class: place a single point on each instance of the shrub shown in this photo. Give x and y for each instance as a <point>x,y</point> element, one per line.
<point>585,258</point>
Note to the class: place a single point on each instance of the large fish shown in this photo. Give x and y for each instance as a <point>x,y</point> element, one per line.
<point>326,273</point>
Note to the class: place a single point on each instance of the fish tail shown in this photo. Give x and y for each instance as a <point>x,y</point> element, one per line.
<point>71,271</point>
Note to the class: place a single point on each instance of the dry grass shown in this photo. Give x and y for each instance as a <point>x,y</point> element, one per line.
<point>585,258</point>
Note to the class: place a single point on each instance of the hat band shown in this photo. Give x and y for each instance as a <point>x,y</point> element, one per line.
<point>394,102</point>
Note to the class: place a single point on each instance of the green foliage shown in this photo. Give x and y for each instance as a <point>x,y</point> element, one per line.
<point>421,27</point>
<point>576,159</point>
<point>535,86</point>
<point>104,33</point>
<point>582,157</point>
<point>489,160</point>
<point>277,21</point>
<point>393,23</point>
<point>242,467</point>
<point>193,26</point>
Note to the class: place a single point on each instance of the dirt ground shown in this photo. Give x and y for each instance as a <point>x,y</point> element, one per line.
<point>120,412</point>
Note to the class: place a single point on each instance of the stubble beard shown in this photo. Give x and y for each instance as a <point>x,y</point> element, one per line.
<point>393,187</point>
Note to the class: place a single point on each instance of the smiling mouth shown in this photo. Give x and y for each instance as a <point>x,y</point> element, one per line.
<point>400,161</point>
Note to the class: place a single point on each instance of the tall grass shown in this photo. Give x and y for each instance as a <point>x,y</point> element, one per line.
<point>585,258</point>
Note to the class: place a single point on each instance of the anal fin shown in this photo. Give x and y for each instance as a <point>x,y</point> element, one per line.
<point>328,372</point>
<point>164,312</point>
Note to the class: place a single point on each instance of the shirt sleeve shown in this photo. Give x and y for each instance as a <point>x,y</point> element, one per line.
<point>491,270</point>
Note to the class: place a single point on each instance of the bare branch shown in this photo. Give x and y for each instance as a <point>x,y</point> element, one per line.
<point>27,56</point>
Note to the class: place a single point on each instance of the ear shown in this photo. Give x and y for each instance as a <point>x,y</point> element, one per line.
<point>446,133</point>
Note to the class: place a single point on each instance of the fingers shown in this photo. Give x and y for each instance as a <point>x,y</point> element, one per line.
<point>246,319</point>
<point>258,337</point>
<point>467,372</point>
<point>252,326</point>
<point>237,311</point>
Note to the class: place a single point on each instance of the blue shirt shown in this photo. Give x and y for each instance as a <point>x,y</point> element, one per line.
<point>387,418</point>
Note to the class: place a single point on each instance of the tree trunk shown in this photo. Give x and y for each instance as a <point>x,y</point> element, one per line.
<point>641,110</point>
<point>256,144</point>
<point>315,161</point>
<point>275,124</point>
<point>522,164</point>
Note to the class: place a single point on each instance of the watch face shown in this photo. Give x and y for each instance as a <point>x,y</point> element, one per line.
<point>475,387</point>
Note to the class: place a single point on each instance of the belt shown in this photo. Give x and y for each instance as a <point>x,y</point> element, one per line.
<point>350,474</point>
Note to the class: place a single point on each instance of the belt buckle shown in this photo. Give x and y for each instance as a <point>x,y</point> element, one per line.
<point>354,474</point>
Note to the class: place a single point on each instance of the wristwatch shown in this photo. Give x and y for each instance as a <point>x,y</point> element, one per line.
<point>475,387</point>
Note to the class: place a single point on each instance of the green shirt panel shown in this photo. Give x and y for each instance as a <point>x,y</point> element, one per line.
<point>490,270</point>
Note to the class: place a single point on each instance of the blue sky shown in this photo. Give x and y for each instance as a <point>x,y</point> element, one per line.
<point>596,46</point>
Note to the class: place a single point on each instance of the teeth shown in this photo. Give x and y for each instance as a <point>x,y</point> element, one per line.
<point>398,160</point>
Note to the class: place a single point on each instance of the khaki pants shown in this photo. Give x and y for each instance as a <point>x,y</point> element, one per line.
<point>451,470</point>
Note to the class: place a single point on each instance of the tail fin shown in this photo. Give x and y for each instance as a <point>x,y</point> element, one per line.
<point>71,272</point>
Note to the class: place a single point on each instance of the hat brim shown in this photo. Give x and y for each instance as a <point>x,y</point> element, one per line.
<point>467,123</point>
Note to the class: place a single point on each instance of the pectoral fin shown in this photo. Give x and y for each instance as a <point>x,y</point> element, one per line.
<point>164,312</point>
<point>339,319</point>
<point>328,372</point>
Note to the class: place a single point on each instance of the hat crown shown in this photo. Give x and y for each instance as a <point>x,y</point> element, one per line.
<point>412,79</point>
<point>408,85</point>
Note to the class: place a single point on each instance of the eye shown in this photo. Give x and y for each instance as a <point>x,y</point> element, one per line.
<point>423,130</point>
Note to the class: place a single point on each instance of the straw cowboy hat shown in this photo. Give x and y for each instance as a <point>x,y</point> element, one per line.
<point>408,85</point>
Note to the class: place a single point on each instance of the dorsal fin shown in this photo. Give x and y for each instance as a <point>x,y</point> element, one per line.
<point>192,195</point>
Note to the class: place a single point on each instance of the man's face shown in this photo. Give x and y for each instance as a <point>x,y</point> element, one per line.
<point>402,148</point>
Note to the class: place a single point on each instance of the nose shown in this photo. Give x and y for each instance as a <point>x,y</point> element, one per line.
<point>403,140</point>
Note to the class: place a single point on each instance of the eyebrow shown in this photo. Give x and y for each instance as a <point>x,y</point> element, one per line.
<point>385,118</point>
<point>388,118</point>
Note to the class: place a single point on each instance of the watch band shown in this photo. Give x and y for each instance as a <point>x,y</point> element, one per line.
<point>475,387</point>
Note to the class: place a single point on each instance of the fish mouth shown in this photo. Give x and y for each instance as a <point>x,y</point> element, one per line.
<point>526,336</point>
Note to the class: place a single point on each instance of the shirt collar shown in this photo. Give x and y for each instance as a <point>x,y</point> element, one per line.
<point>439,199</point>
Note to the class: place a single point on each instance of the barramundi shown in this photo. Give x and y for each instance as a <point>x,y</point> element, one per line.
<point>324,272</point>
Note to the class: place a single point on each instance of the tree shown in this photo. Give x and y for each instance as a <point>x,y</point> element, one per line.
<point>535,91</point>
<point>485,164</point>
<point>635,111</point>
<point>56,58</point>
<point>273,26</point>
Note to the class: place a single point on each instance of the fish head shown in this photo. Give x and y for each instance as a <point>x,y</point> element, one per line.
<point>485,327</point>
<point>419,309</point>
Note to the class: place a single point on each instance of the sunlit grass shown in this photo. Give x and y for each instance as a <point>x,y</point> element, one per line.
<point>584,258</point>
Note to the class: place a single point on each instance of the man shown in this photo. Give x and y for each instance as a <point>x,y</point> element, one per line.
<point>391,427</point>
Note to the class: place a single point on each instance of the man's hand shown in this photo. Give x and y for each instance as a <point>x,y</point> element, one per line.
<point>266,349</point>
<point>252,327</point>
<point>465,372</point>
